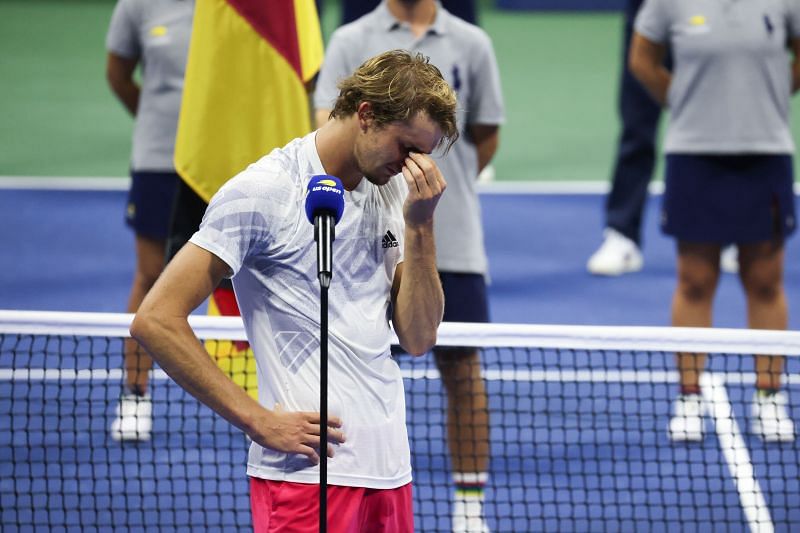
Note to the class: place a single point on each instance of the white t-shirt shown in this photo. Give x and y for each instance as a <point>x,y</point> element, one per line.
<point>256,223</point>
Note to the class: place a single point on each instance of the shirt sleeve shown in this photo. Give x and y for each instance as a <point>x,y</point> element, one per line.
<point>335,66</point>
<point>485,104</point>
<point>122,38</point>
<point>247,216</point>
<point>653,22</point>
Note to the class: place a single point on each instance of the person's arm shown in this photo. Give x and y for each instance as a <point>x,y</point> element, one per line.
<point>795,45</point>
<point>417,298</point>
<point>646,63</point>
<point>119,73</point>
<point>486,137</point>
<point>161,326</point>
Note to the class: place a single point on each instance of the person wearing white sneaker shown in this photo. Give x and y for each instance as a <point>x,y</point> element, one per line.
<point>729,169</point>
<point>156,34</point>
<point>617,255</point>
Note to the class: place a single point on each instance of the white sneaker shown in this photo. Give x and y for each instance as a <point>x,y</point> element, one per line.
<point>617,255</point>
<point>686,423</point>
<point>729,259</point>
<point>770,421</point>
<point>134,419</point>
<point>468,516</point>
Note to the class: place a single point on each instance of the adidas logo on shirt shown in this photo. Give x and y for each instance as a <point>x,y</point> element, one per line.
<point>389,240</point>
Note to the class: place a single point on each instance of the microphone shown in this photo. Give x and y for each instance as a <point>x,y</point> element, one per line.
<point>324,208</point>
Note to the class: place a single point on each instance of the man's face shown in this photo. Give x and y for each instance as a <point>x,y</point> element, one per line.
<point>382,150</point>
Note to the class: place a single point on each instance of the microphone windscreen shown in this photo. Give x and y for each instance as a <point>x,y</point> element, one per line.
<point>325,194</point>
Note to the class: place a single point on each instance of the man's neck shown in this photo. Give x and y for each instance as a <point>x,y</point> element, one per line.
<point>334,142</point>
<point>419,15</point>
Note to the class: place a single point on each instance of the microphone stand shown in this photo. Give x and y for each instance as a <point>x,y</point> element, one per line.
<point>323,410</point>
<point>324,235</point>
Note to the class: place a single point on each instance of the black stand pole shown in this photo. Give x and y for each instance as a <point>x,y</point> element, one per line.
<point>323,411</point>
<point>323,232</point>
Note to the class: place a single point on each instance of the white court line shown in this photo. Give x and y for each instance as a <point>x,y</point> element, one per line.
<point>515,186</point>
<point>65,183</point>
<point>735,453</point>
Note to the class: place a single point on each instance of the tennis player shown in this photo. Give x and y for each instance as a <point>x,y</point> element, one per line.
<point>393,112</point>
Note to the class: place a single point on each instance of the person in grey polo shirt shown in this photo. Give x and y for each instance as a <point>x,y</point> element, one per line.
<point>464,54</point>
<point>729,171</point>
<point>154,36</point>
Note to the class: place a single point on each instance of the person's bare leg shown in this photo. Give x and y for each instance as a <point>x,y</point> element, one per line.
<point>149,263</point>
<point>467,410</point>
<point>467,434</point>
<point>761,273</point>
<point>692,302</point>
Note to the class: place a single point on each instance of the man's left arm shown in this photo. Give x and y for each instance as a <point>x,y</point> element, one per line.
<point>417,297</point>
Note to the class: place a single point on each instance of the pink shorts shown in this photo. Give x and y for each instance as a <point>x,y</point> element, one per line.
<point>286,506</point>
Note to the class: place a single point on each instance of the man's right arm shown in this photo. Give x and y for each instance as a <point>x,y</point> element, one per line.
<point>161,326</point>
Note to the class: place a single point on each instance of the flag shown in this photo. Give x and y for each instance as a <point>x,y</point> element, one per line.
<point>244,94</point>
<point>245,85</point>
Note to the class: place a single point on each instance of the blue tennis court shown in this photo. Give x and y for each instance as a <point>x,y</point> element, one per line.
<point>578,438</point>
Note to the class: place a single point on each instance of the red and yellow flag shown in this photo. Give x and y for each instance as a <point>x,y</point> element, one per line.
<point>245,85</point>
<point>244,94</point>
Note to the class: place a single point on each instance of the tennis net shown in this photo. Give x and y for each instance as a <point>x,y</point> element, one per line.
<point>578,432</point>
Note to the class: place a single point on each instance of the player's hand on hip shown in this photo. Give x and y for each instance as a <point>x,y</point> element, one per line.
<point>296,432</point>
<point>425,186</point>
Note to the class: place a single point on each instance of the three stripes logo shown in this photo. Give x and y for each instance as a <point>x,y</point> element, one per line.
<point>389,240</point>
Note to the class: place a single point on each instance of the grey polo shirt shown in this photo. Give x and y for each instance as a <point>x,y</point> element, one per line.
<point>464,54</point>
<point>156,32</point>
<point>731,81</point>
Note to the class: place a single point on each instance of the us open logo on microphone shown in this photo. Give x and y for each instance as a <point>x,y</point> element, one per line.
<point>326,186</point>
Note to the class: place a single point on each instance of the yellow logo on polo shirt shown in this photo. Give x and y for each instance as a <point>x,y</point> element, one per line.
<point>698,24</point>
<point>697,20</point>
<point>158,31</point>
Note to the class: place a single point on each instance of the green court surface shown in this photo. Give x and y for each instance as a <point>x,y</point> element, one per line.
<point>59,118</point>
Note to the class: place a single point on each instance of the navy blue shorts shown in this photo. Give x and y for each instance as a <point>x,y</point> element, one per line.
<point>150,200</point>
<point>728,198</point>
<point>464,297</point>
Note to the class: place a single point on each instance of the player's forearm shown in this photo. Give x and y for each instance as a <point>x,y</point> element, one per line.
<point>420,302</point>
<point>172,343</point>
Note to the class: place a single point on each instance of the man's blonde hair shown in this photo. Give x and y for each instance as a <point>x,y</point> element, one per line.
<point>398,86</point>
